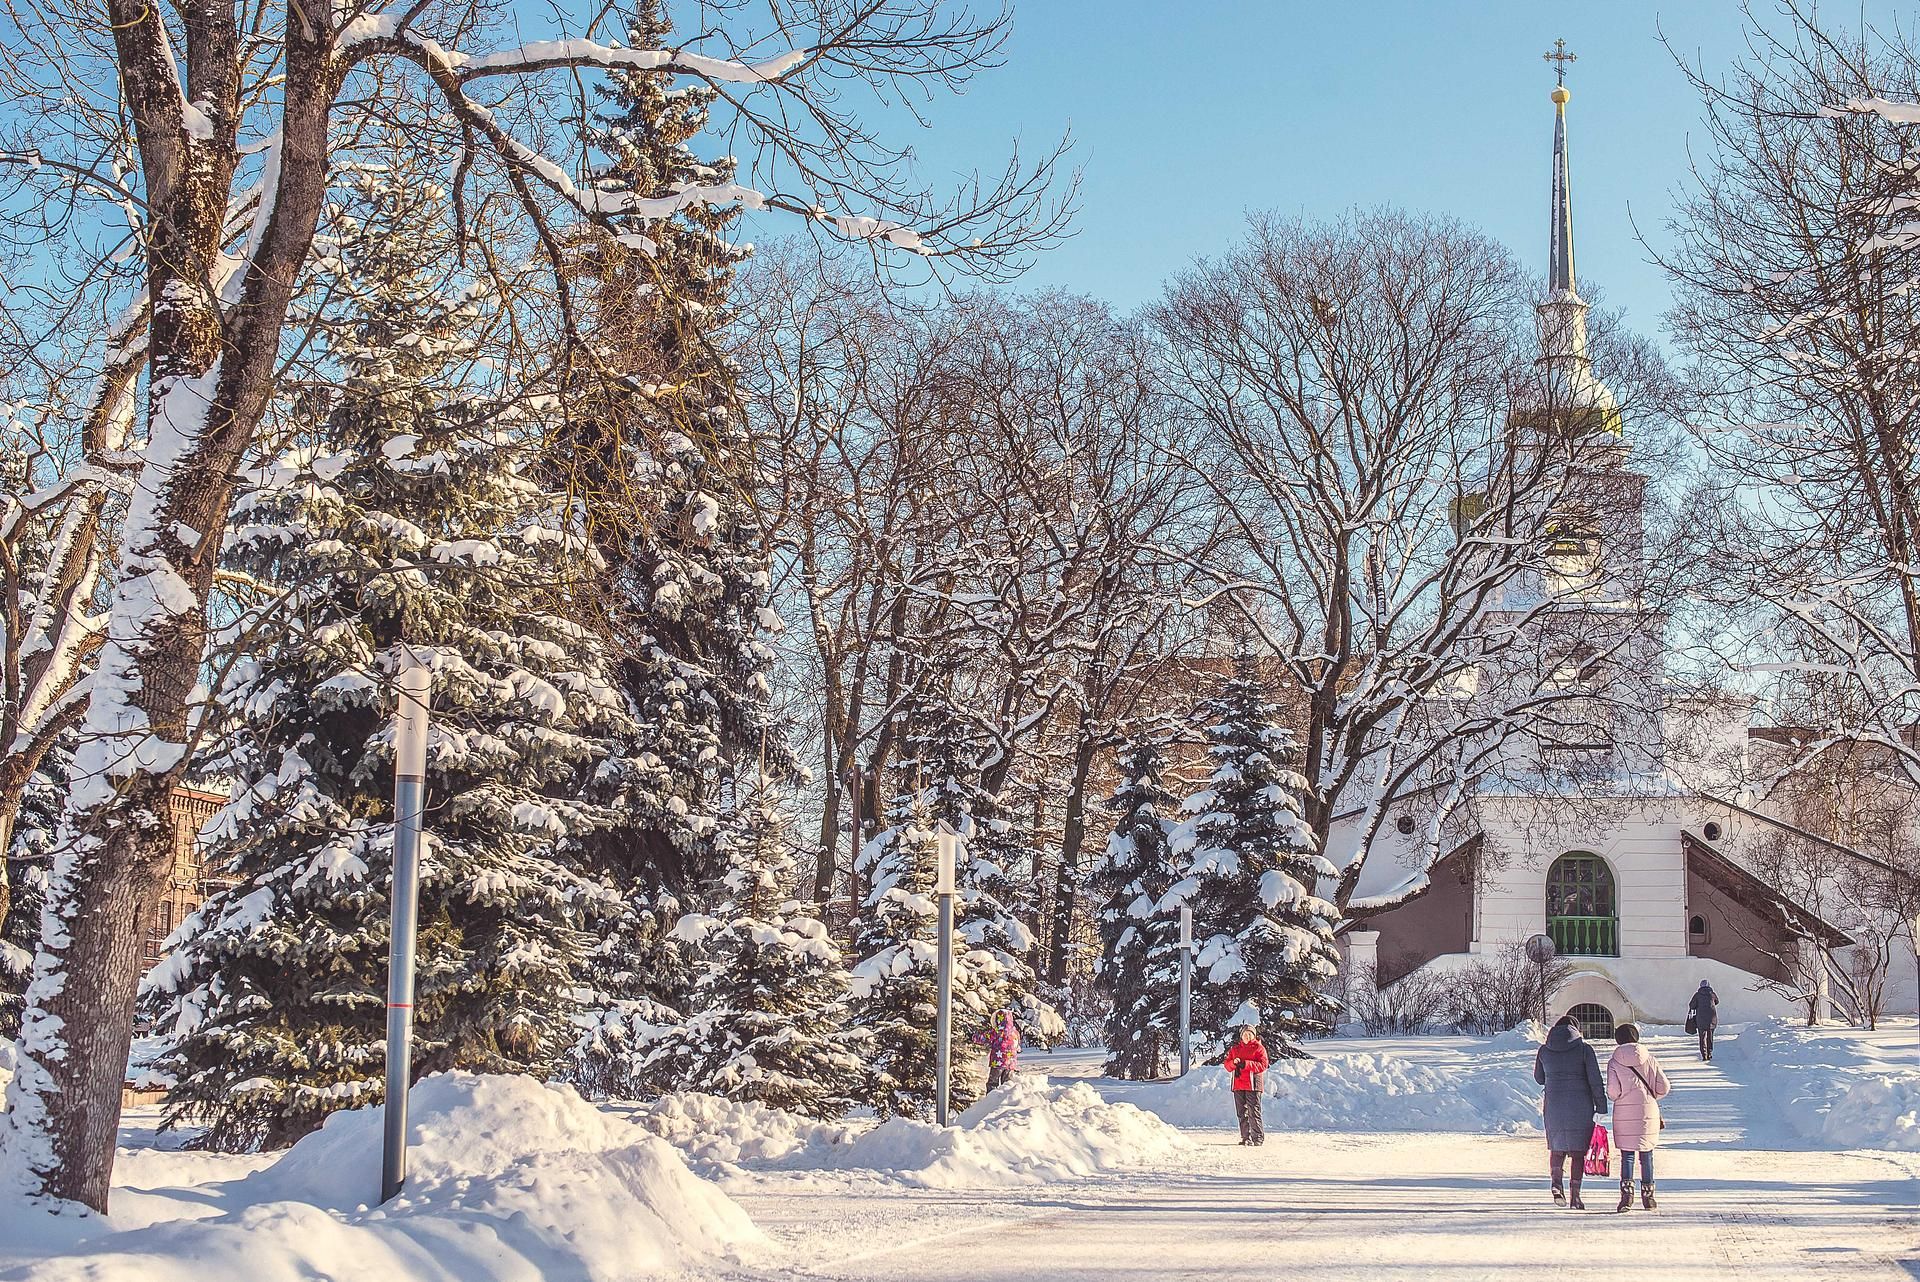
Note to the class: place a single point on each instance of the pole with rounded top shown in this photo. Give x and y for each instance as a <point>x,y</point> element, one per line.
<point>1186,988</point>
<point>414,681</point>
<point>947,854</point>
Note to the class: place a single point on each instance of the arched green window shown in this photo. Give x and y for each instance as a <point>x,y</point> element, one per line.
<point>1583,908</point>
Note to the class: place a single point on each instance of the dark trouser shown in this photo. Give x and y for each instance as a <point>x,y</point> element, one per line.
<point>1560,1166</point>
<point>997,1076</point>
<point>1246,1107</point>
<point>1706,1041</point>
<point>1626,1165</point>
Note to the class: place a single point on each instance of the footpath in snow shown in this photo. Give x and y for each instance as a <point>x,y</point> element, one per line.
<point>1793,1156</point>
<point>1426,1170</point>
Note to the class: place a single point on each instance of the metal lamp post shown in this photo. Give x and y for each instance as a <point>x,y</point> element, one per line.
<point>947,846</point>
<point>415,683</point>
<point>1186,988</point>
<point>1540,951</point>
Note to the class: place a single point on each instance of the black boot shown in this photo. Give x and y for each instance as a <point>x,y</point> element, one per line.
<point>1646,1197</point>
<point>1573,1199</point>
<point>1559,1196</point>
<point>1626,1195</point>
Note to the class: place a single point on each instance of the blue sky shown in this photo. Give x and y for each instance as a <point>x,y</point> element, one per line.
<point>1189,115</point>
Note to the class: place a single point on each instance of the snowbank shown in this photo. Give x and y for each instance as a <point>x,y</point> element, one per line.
<point>1833,1086</point>
<point>1527,1036</point>
<point>1370,1091</point>
<point>1028,1132</point>
<point>509,1180</point>
<point>716,1132</point>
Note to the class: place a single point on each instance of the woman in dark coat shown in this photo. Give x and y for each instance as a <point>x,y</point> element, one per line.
<point>1570,1071</point>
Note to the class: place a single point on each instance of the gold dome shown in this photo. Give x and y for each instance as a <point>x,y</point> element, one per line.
<point>1560,95</point>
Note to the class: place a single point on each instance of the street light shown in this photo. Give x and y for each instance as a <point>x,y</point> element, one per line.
<point>415,683</point>
<point>1186,988</point>
<point>1540,951</point>
<point>947,854</point>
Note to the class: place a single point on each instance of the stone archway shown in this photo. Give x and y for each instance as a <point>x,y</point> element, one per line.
<point>1591,988</point>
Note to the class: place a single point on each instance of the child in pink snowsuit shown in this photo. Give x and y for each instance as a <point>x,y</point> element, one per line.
<point>1002,1040</point>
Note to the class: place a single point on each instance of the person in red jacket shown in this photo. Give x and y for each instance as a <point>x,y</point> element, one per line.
<point>1247,1061</point>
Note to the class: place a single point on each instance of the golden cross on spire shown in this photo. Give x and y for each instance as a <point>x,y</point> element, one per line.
<point>1560,58</point>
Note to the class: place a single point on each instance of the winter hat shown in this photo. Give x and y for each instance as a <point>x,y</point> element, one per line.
<point>1626,1034</point>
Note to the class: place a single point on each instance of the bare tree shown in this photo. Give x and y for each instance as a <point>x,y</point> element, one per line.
<point>1419,499</point>
<point>1796,300</point>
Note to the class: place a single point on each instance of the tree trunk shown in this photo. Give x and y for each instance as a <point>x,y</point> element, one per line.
<point>85,1006</point>
<point>211,379</point>
<point>823,859</point>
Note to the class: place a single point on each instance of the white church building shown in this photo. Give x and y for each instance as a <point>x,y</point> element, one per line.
<point>1639,883</point>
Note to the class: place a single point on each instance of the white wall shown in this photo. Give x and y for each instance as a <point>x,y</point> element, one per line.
<point>1643,851</point>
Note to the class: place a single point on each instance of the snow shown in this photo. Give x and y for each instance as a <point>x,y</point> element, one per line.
<point>1366,1174</point>
<point>1834,1088</point>
<point>1468,1085</point>
<point>1028,1132</point>
<point>508,1179</point>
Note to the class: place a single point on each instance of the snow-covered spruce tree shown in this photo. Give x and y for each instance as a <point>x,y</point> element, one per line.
<point>768,1017</point>
<point>941,768</point>
<point>408,521</point>
<point>654,441</point>
<point>1139,965</point>
<point>895,980</point>
<point>1263,937</point>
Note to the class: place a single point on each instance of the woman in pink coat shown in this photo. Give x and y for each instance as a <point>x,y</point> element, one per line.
<point>1636,1086</point>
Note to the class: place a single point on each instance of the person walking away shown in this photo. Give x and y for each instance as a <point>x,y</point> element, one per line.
<point>1570,1071</point>
<point>1002,1040</point>
<point>1247,1060</point>
<point>1703,1013</point>
<point>1636,1085</point>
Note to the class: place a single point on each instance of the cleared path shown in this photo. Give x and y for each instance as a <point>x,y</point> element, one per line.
<point>1390,1206</point>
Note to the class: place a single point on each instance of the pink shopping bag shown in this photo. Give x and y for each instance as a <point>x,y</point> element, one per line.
<point>1597,1155</point>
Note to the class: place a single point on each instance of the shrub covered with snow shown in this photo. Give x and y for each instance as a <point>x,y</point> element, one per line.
<point>1365,1091</point>
<point>1027,1132</point>
<point>508,1179</point>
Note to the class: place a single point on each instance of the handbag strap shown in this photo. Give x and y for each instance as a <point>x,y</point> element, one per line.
<point>1644,1082</point>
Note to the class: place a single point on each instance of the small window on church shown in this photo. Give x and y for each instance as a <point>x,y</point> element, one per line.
<point>1405,825</point>
<point>1696,929</point>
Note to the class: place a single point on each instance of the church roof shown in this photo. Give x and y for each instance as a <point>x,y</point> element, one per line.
<point>1747,890</point>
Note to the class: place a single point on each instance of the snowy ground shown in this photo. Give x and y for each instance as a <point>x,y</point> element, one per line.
<point>1793,1156</point>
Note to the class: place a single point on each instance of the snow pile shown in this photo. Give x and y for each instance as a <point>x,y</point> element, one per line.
<point>714,1131</point>
<point>508,1179</point>
<point>1028,1132</point>
<point>1365,1091</point>
<point>1831,1088</point>
<point>1527,1036</point>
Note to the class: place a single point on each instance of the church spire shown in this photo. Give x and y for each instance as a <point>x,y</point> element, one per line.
<point>1560,247</point>
<point>1563,314</point>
